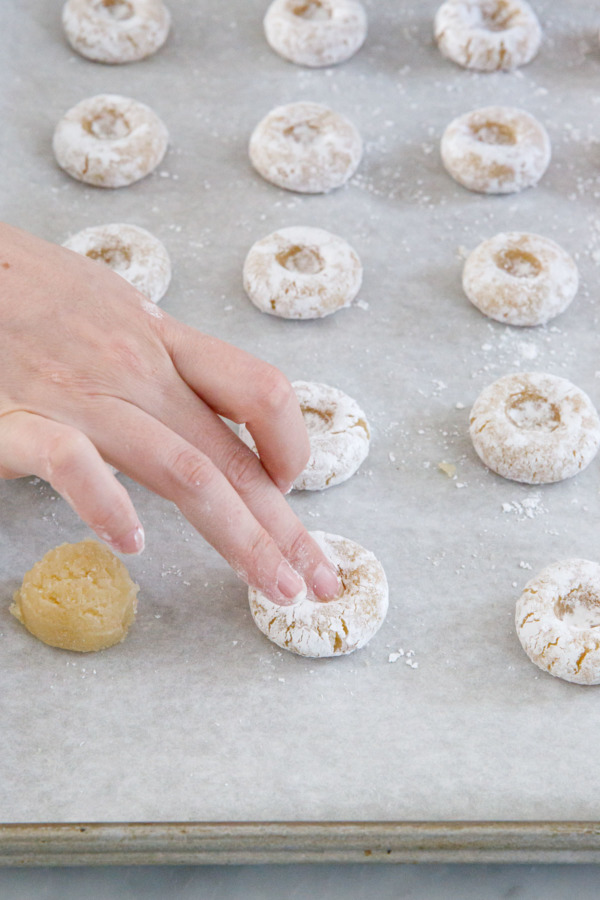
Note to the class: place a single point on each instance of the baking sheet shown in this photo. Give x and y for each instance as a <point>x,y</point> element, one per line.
<point>196,717</point>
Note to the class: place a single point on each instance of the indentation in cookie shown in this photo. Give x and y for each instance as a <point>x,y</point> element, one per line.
<point>532,411</point>
<point>580,608</point>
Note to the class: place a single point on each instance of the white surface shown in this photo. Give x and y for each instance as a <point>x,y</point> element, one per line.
<point>196,716</point>
<point>351,882</point>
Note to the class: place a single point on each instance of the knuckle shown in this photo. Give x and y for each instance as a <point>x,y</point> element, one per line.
<point>62,453</point>
<point>259,548</point>
<point>275,392</point>
<point>128,355</point>
<point>244,471</point>
<point>298,546</point>
<point>191,470</point>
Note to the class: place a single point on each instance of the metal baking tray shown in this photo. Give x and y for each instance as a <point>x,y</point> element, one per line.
<point>197,740</point>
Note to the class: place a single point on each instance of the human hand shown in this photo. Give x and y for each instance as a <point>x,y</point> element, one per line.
<point>92,371</point>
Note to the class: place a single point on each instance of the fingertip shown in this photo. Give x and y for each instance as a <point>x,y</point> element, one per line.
<point>326,583</point>
<point>132,543</point>
<point>290,587</point>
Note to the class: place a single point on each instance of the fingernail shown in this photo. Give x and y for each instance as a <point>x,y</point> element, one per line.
<point>326,583</point>
<point>285,487</point>
<point>289,584</point>
<point>139,539</point>
<point>132,543</point>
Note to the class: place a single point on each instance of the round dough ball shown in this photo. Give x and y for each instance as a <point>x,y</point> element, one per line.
<point>487,34</point>
<point>131,252</point>
<point>116,31</point>
<point>534,428</point>
<point>558,620</point>
<point>496,150</point>
<point>316,32</point>
<point>305,147</point>
<point>109,141</point>
<point>77,597</point>
<point>314,629</point>
<point>520,278</point>
<point>302,273</point>
<point>338,432</point>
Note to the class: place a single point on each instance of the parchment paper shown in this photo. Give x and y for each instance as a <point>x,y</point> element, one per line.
<point>196,716</point>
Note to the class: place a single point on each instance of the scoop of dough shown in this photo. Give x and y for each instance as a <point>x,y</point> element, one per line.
<point>77,597</point>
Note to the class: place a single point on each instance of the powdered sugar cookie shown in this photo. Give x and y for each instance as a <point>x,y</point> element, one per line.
<point>496,150</point>
<point>338,431</point>
<point>116,31</point>
<point>520,278</point>
<point>130,251</point>
<point>535,428</point>
<point>302,273</point>
<point>316,32</point>
<point>305,147</point>
<point>340,626</point>
<point>487,34</point>
<point>109,141</point>
<point>558,620</point>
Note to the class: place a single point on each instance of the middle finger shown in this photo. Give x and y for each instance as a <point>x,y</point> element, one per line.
<point>186,414</point>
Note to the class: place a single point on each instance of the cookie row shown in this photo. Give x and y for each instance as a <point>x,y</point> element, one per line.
<point>532,427</point>
<point>112,141</point>
<point>486,35</point>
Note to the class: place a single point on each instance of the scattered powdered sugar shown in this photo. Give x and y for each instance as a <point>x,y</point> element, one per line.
<point>528,508</point>
<point>506,349</point>
<point>594,239</point>
<point>406,656</point>
<point>527,349</point>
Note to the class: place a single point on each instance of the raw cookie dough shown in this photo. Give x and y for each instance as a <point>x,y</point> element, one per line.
<point>558,620</point>
<point>534,428</point>
<point>305,147</point>
<point>520,278</point>
<point>338,432</point>
<point>130,251</point>
<point>77,597</point>
<point>316,32</point>
<point>116,31</point>
<point>109,141</point>
<point>487,34</point>
<point>340,626</point>
<point>302,273</point>
<point>496,150</point>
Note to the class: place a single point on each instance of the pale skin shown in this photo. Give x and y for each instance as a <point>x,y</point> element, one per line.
<point>92,372</point>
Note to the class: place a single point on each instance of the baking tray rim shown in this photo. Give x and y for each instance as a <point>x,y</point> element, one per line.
<point>253,842</point>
